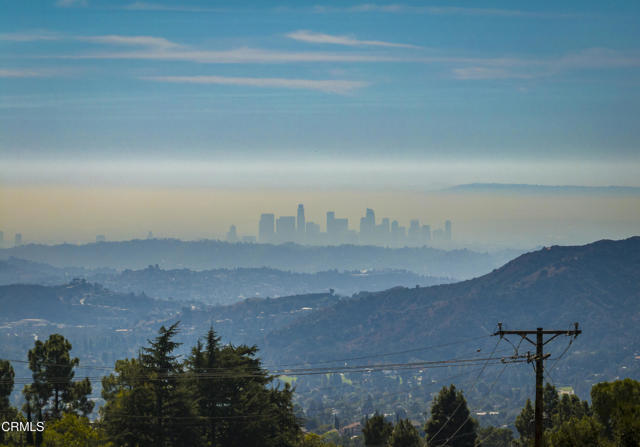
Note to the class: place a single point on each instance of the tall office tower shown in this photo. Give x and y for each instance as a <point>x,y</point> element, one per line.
<point>382,231</point>
<point>266,228</point>
<point>150,235</point>
<point>311,233</point>
<point>426,233</point>
<point>397,232</point>
<point>100,238</point>
<point>312,229</point>
<point>341,226</point>
<point>301,220</point>
<point>447,230</point>
<point>414,231</point>
<point>17,241</point>
<point>331,217</point>
<point>371,217</point>
<point>368,226</point>
<point>286,228</point>
<point>232,234</point>
<point>438,234</point>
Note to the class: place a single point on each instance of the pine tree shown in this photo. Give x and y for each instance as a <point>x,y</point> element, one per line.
<point>203,362</point>
<point>53,391</point>
<point>450,421</point>
<point>219,397</point>
<point>551,401</point>
<point>173,404</point>
<point>525,423</point>
<point>377,431</point>
<point>404,435</point>
<point>129,408</point>
<point>7,376</point>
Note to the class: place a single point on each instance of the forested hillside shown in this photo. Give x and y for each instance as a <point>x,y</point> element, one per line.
<point>212,254</point>
<point>218,286</point>
<point>597,285</point>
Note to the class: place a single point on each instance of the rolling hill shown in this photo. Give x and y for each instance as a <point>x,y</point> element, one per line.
<point>597,285</point>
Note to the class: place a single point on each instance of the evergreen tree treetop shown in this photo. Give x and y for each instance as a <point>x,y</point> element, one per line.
<point>450,421</point>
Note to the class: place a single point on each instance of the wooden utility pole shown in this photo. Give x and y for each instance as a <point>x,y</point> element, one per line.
<point>539,359</point>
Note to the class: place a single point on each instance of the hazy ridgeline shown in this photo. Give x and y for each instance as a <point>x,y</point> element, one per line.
<point>212,254</point>
<point>219,286</point>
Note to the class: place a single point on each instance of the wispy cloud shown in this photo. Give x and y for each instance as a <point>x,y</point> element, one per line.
<point>520,68</point>
<point>147,41</point>
<point>145,6</point>
<point>599,57</point>
<point>437,10</point>
<point>311,37</point>
<point>32,36</point>
<point>22,73</point>
<point>110,39</point>
<point>327,86</point>
<point>70,3</point>
<point>237,56</point>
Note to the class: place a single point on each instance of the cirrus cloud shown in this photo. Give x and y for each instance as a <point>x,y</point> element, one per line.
<point>311,37</point>
<point>327,86</point>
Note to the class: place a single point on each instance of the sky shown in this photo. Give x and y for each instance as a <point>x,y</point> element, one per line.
<point>262,99</point>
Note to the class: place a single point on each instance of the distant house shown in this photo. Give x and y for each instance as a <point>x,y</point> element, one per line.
<point>354,429</point>
<point>565,390</point>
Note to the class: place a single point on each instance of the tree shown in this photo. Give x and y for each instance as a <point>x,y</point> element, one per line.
<point>72,431</point>
<point>53,390</point>
<point>204,361</point>
<point>494,437</point>
<point>52,368</point>
<point>148,402</point>
<point>616,405</point>
<point>129,405</point>
<point>583,432</point>
<point>376,431</point>
<point>404,435</point>
<point>570,407</point>
<point>253,414</point>
<point>551,402</point>
<point>220,396</point>
<point>172,403</point>
<point>525,424</point>
<point>450,421</point>
<point>80,402</point>
<point>7,375</point>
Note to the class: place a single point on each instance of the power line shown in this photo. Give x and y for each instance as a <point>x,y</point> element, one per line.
<point>472,387</point>
<point>387,354</point>
<point>347,359</point>
<point>469,417</point>
<point>233,373</point>
<point>539,359</point>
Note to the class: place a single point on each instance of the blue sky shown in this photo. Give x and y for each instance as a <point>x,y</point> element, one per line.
<point>471,82</point>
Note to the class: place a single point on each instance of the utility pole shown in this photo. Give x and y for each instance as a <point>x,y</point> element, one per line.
<point>539,359</point>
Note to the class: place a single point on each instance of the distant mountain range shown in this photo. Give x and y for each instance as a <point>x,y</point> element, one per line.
<point>211,254</point>
<point>597,285</point>
<point>218,286</point>
<point>544,189</point>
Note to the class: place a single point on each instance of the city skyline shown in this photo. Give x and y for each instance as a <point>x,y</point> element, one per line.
<point>297,229</point>
<point>337,231</point>
<point>504,217</point>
